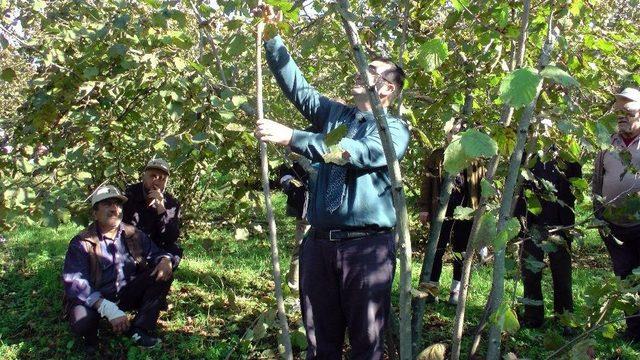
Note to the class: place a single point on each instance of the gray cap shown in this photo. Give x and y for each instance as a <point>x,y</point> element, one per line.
<point>629,93</point>
<point>158,163</point>
<point>106,192</point>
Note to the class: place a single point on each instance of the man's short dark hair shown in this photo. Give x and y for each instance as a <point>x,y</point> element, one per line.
<point>395,74</point>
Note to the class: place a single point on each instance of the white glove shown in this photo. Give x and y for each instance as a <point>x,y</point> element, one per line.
<point>110,310</point>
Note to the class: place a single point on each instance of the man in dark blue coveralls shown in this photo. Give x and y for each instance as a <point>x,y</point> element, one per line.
<point>347,260</point>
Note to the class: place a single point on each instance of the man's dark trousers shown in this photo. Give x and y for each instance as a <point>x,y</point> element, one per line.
<point>144,294</point>
<point>625,258</point>
<point>346,284</point>
<point>458,232</point>
<point>560,265</point>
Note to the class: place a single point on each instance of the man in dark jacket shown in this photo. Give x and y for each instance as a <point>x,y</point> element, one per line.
<point>556,208</point>
<point>466,192</point>
<point>110,268</point>
<point>153,210</point>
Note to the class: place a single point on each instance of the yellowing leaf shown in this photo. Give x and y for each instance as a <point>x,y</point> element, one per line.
<point>433,352</point>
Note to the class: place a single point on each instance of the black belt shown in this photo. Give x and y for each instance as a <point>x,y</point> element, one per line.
<point>339,235</point>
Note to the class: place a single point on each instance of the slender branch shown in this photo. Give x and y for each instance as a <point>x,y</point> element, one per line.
<point>495,331</point>
<point>212,43</point>
<point>555,354</point>
<point>403,45</point>
<point>397,190</point>
<point>505,120</point>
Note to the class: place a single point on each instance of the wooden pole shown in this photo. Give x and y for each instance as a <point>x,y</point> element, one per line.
<point>285,339</point>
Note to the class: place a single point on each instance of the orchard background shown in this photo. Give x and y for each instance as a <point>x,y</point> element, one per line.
<point>90,90</point>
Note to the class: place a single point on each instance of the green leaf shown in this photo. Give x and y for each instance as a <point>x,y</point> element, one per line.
<point>117,50</point>
<point>121,21</point>
<point>175,110</point>
<point>335,135</point>
<point>238,100</point>
<point>533,203</point>
<point>511,324</point>
<point>487,228</point>
<point>459,5</point>
<point>576,7</point>
<point>90,72</point>
<point>432,54</point>
<point>510,230</point>
<point>609,331</point>
<point>39,5</point>
<point>227,115</point>
<point>488,191</point>
<point>463,213</point>
<point>466,147</point>
<point>559,76</point>
<point>584,350</point>
<point>520,87</point>
<point>533,265</point>
<point>8,74</point>
<point>605,46</point>
<point>235,127</point>
<point>454,157</point>
<point>478,144</point>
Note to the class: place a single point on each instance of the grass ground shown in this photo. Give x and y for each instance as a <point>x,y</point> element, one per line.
<point>221,300</point>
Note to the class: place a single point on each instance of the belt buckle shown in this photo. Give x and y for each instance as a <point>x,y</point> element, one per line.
<point>331,235</point>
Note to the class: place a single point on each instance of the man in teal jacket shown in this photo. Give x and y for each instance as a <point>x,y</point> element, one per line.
<point>347,260</point>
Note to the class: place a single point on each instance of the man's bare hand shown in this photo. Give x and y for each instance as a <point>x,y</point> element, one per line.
<point>120,325</point>
<point>268,13</point>
<point>424,217</point>
<point>273,132</point>
<point>157,200</point>
<point>163,270</point>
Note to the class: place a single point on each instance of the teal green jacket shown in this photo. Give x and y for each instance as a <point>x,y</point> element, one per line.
<point>368,201</point>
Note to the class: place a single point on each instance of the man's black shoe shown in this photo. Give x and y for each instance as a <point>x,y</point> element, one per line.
<point>142,339</point>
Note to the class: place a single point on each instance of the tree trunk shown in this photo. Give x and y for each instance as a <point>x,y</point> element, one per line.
<point>505,120</point>
<point>402,224</point>
<point>435,229</point>
<point>497,292</point>
<point>392,335</point>
<point>285,339</point>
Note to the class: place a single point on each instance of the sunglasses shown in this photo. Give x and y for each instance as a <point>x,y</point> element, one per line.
<point>377,76</point>
<point>620,113</point>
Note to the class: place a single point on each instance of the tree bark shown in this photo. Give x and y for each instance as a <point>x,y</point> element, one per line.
<point>497,292</point>
<point>402,223</point>
<point>435,229</point>
<point>392,334</point>
<point>285,339</point>
<point>505,120</point>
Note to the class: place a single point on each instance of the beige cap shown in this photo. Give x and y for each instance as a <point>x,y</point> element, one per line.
<point>106,192</point>
<point>629,93</point>
<point>158,163</point>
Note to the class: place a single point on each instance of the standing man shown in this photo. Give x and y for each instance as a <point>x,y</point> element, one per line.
<point>466,192</point>
<point>153,210</point>
<point>347,260</point>
<point>110,268</point>
<point>616,183</point>
<point>556,209</point>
